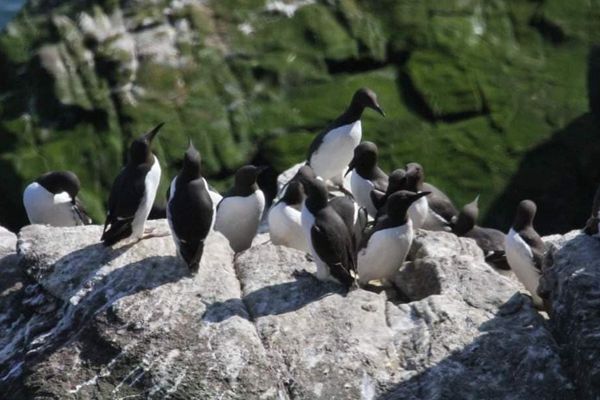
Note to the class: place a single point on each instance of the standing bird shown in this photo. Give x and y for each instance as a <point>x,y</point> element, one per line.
<point>419,210</point>
<point>285,219</point>
<point>190,210</point>
<point>133,192</point>
<point>491,241</point>
<point>385,249</point>
<point>331,151</point>
<point>240,211</point>
<point>366,176</point>
<point>441,209</point>
<point>52,199</point>
<point>328,236</point>
<point>525,249</point>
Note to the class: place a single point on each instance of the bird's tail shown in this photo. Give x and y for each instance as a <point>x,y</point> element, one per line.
<point>118,230</point>
<point>193,255</point>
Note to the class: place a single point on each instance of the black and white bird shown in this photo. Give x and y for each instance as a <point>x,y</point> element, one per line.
<point>366,176</point>
<point>240,211</point>
<point>525,249</point>
<point>331,151</point>
<point>191,211</point>
<point>441,209</point>
<point>285,218</point>
<point>52,200</point>
<point>328,236</point>
<point>386,247</point>
<point>396,182</point>
<point>133,192</point>
<point>491,241</point>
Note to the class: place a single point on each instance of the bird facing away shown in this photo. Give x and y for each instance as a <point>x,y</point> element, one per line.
<point>419,210</point>
<point>331,151</point>
<point>491,241</point>
<point>328,236</point>
<point>386,247</point>
<point>396,182</point>
<point>52,200</point>
<point>285,219</point>
<point>133,192</point>
<point>240,211</point>
<point>525,249</point>
<point>366,176</point>
<point>190,210</point>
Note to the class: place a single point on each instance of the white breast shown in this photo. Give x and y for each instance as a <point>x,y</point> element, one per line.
<point>151,183</point>
<point>285,227</point>
<point>238,218</point>
<point>336,150</point>
<point>361,190</point>
<point>43,207</point>
<point>385,252</point>
<point>520,259</point>
<point>418,211</point>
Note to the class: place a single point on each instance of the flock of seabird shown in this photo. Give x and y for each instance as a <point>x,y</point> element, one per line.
<point>361,235</point>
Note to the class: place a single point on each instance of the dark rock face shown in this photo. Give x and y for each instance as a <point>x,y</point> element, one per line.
<point>572,282</point>
<point>470,87</point>
<point>92,322</point>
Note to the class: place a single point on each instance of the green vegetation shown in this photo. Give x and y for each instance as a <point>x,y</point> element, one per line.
<point>469,87</point>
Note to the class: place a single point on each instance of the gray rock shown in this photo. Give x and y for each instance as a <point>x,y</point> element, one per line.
<point>8,242</point>
<point>130,321</point>
<point>571,280</point>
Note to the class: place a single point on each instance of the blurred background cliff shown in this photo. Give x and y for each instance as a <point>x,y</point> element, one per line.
<point>494,97</point>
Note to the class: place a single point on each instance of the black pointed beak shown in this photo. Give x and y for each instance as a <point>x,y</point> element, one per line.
<point>150,135</point>
<point>190,144</point>
<point>350,167</point>
<point>378,108</point>
<point>417,196</point>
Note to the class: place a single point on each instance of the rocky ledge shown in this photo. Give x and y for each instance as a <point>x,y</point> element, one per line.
<point>81,321</point>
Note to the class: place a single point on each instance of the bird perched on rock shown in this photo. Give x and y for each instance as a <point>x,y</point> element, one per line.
<point>285,221</point>
<point>441,208</point>
<point>331,151</point>
<point>52,199</point>
<point>491,241</point>
<point>419,210</point>
<point>133,192</point>
<point>191,211</point>
<point>525,249</point>
<point>240,211</point>
<point>366,176</point>
<point>386,247</point>
<point>328,236</point>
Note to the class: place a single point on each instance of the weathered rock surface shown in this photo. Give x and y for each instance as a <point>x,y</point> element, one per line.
<point>8,242</point>
<point>572,280</point>
<point>109,323</point>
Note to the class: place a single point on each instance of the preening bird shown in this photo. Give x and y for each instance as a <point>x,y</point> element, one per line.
<point>52,200</point>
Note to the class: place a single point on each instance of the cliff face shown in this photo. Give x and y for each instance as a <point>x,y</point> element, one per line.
<point>471,88</point>
<point>82,321</point>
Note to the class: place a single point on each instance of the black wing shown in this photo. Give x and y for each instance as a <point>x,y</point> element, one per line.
<point>125,196</point>
<point>440,203</point>
<point>378,199</point>
<point>538,248</point>
<point>333,244</point>
<point>344,206</point>
<point>380,180</point>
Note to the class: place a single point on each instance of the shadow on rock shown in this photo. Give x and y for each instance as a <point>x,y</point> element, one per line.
<point>273,300</point>
<point>514,357</point>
